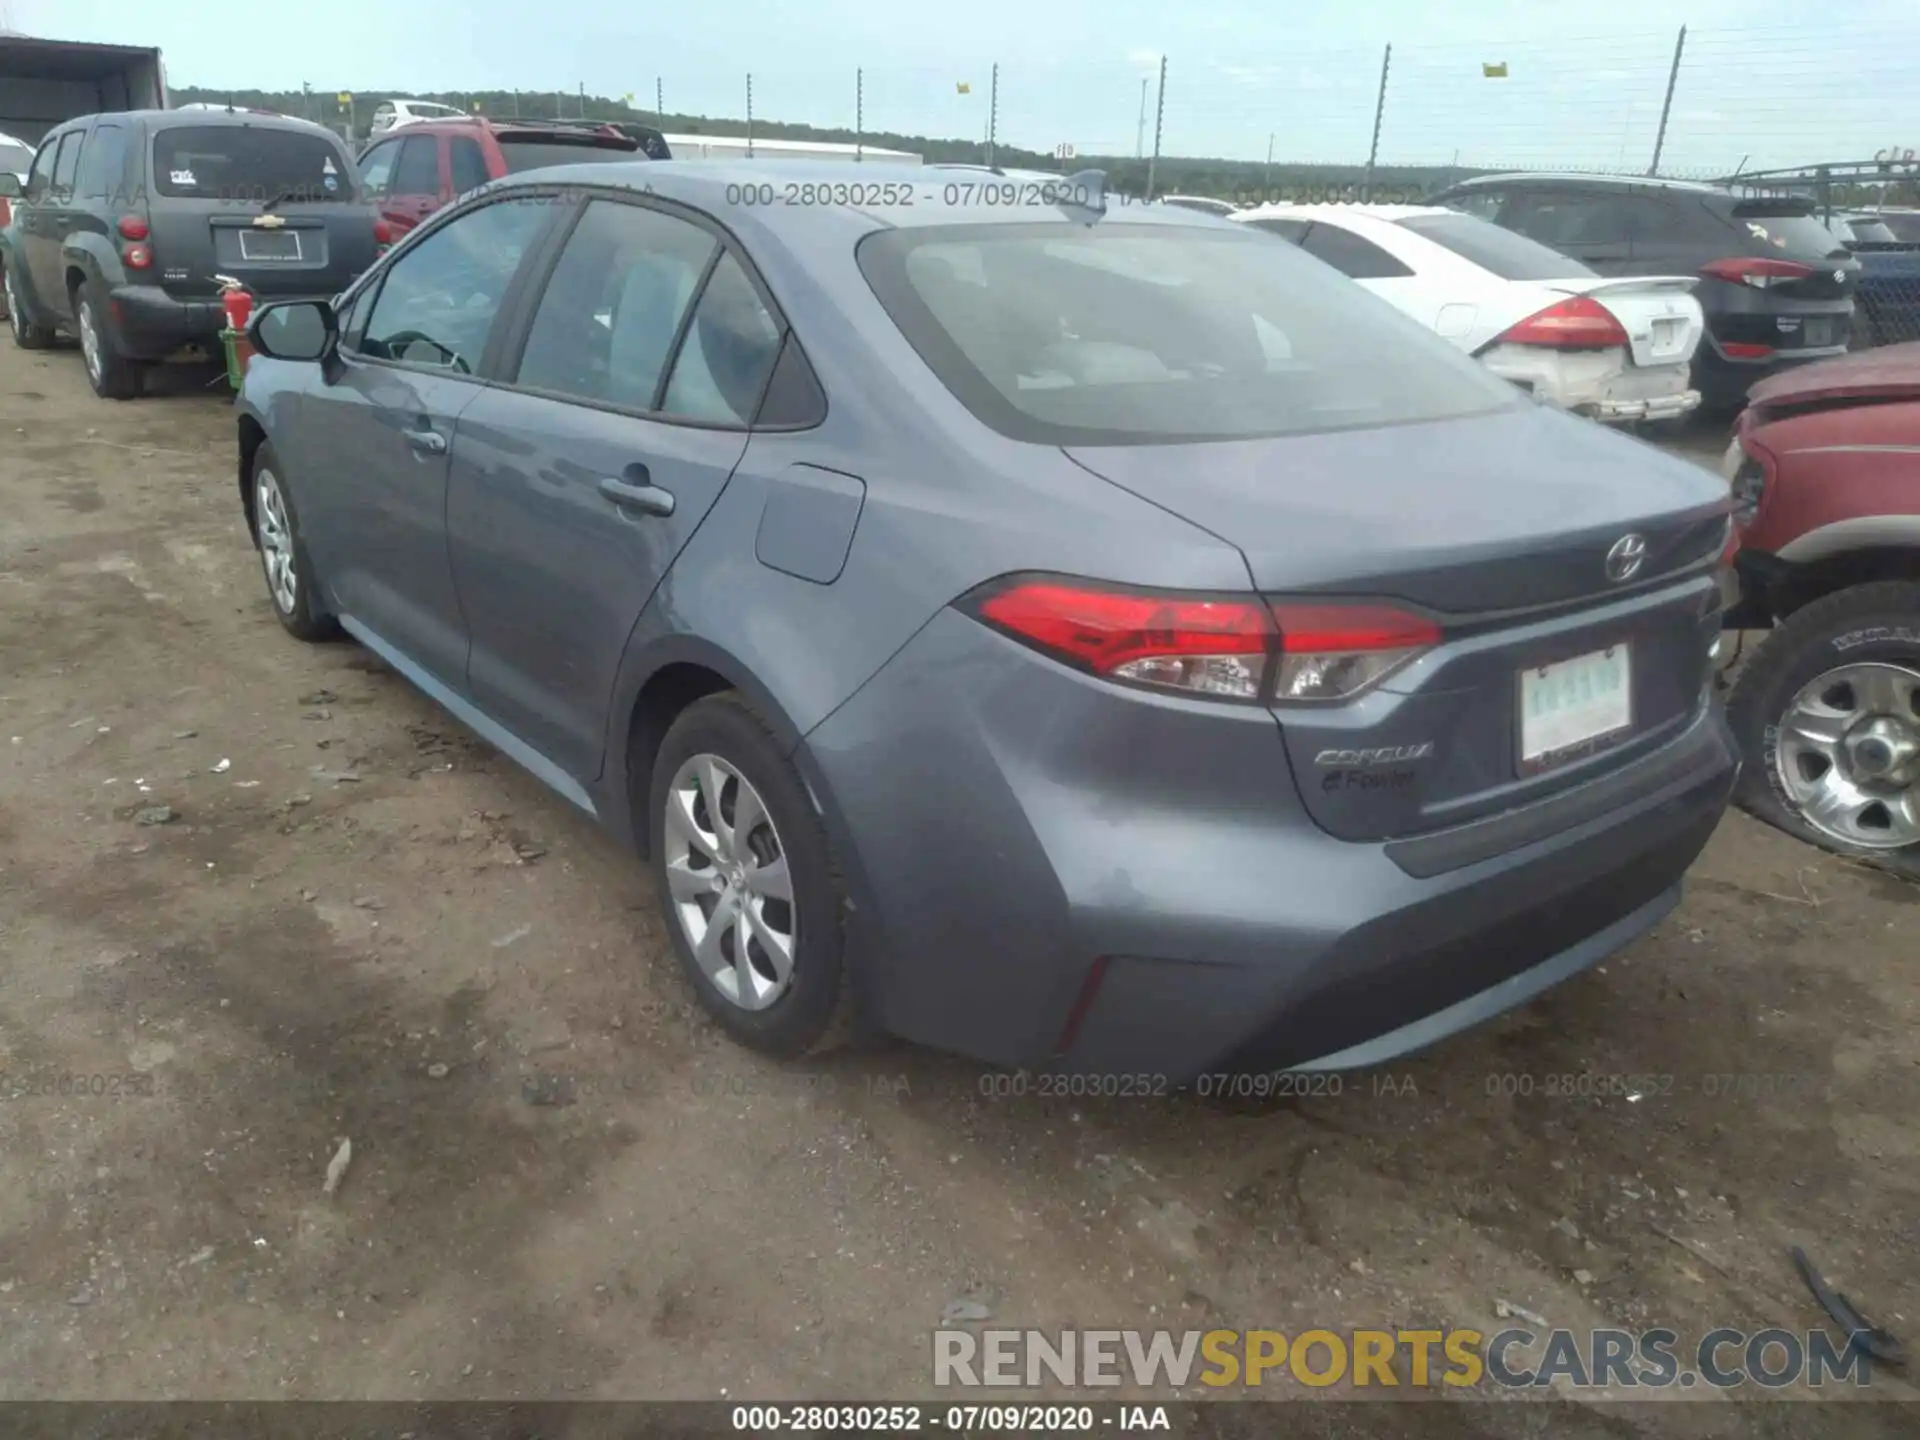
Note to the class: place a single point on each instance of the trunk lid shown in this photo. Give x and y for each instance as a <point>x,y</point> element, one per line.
<point>1499,527</point>
<point>1658,312</point>
<point>299,250</point>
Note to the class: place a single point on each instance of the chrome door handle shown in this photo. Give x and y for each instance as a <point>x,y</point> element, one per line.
<point>648,499</point>
<point>427,442</point>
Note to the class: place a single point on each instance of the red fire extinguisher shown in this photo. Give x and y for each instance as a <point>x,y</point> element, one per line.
<point>237,302</point>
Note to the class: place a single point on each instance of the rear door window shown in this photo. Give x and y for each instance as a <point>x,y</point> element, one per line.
<point>418,170</point>
<point>1572,220</point>
<point>1350,254</point>
<point>1500,252</point>
<point>103,167</point>
<point>729,351</point>
<point>249,164</point>
<point>467,162</point>
<point>605,326</point>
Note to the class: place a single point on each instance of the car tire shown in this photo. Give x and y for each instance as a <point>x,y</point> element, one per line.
<point>719,746</point>
<point>111,374</point>
<point>26,334</point>
<point>1853,653</point>
<point>283,554</point>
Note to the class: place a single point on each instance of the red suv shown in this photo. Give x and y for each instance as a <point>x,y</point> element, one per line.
<point>412,171</point>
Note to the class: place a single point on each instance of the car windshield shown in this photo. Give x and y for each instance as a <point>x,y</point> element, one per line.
<point>1505,253</point>
<point>17,159</point>
<point>241,164</point>
<point>1140,334</point>
<point>529,153</point>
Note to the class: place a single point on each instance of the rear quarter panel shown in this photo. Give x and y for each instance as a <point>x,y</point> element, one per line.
<point>948,504</point>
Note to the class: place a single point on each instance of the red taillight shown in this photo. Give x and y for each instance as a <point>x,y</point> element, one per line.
<point>1576,323</point>
<point>1220,647</point>
<point>1331,652</point>
<point>132,227</point>
<point>1740,350</point>
<point>137,257</point>
<point>1204,646</point>
<point>1756,270</point>
<point>382,233</point>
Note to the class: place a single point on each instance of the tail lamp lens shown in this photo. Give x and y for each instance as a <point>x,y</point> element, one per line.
<point>1758,271</point>
<point>1221,648</point>
<point>1578,323</point>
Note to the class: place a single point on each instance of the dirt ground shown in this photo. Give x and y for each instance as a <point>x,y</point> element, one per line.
<point>362,923</point>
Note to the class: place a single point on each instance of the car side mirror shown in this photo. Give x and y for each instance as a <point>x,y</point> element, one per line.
<point>294,330</point>
<point>10,186</point>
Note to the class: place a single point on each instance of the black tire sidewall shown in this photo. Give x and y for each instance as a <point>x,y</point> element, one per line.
<point>307,620</point>
<point>120,378</point>
<point>26,334</point>
<point>1796,653</point>
<point>803,1018</point>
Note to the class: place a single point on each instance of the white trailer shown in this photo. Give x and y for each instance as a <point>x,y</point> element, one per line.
<point>734,147</point>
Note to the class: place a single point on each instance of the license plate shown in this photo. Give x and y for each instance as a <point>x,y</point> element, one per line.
<point>269,245</point>
<point>1816,333</point>
<point>1574,706</point>
<point>1666,335</point>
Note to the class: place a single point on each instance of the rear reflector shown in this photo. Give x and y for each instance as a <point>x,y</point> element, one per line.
<point>1759,271</point>
<point>1218,647</point>
<point>1739,350</point>
<point>1576,323</point>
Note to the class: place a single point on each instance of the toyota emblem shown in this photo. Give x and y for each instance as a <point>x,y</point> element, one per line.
<point>1626,557</point>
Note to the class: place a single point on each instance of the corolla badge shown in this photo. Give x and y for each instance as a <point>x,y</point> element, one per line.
<point>1626,557</point>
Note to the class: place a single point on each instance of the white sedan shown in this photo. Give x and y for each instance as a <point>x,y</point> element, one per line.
<point>1617,349</point>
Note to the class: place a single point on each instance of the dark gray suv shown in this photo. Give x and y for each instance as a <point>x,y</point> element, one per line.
<point>126,220</point>
<point>1105,639</point>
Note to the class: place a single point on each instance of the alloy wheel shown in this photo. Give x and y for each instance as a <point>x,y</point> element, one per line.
<point>730,888</point>
<point>276,541</point>
<point>1847,754</point>
<point>90,340</point>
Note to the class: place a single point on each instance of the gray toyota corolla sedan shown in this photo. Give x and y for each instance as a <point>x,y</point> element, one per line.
<point>1072,633</point>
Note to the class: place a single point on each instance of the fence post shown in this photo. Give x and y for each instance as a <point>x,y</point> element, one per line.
<point>993,112</point>
<point>1379,112</point>
<point>749,115</point>
<point>659,100</point>
<point>1666,106</point>
<point>1159,121</point>
<point>859,111</point>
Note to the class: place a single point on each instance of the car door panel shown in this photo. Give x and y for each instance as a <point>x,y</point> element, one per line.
<point>574,490</point>
<point>386,424</point>
<point>49,215</point>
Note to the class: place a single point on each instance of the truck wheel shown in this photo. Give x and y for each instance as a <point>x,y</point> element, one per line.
<point>26,334</point>
<point>112,375</point>
<point>1827,714</point>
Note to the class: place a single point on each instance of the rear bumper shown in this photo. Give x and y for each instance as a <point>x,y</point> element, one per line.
<point>148,324</point>
<point>1051,874</point>
<point>1596,383</point>
<point>1723,380</point>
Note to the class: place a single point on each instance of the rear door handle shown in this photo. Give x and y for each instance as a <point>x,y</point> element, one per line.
<point>638,492</point>
<point>427,442</point>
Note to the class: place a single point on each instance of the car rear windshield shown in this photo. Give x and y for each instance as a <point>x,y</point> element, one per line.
<point>1869,231</point>
<point>1785,227</point>
<point>16,159</point>
<point>1505,253</point>
<point>530,152</point>
<point>241,164</point>
<point>1904,224</point>
<point>1143,334</point>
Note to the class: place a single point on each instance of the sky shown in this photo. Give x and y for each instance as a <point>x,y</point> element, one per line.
<point>1764,82</point>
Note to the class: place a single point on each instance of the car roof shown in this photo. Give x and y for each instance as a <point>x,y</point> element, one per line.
<point>1575,177</point>
<point>451,123</point>
<point>922,191</point>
